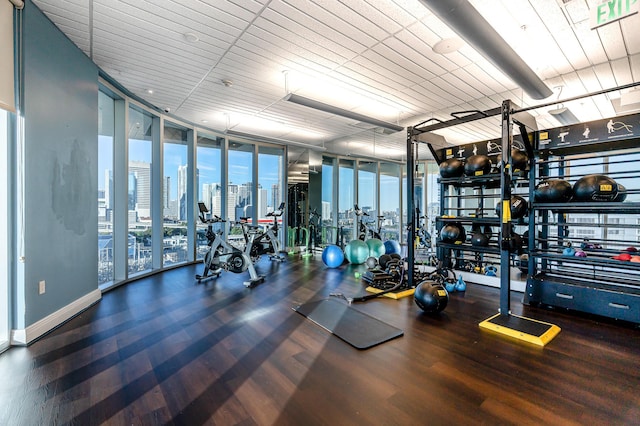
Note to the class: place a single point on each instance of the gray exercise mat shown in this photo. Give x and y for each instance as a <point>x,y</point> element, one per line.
<point>360,330</point>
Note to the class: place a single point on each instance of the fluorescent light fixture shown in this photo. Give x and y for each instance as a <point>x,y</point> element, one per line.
<point>630,97</point>
<point>564,116</point>
<point>321,106</point>
<point>277,141</point>
<point>467,22</point>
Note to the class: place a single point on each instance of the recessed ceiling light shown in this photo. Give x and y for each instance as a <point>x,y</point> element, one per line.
<point>447,45</point>
<point>205,121</point>
<point>191,37</point>
<point>150,91</point>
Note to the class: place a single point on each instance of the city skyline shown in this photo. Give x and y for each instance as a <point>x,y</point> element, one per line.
<point>240,166</point>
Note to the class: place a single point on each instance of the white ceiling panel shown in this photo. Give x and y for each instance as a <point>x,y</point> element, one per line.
<point>611,37</point>
<point>630,28</point>
<point>371,57</point>
<point>622,71</point>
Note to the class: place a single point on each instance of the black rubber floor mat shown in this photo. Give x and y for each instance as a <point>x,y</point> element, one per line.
<point>360,330</point>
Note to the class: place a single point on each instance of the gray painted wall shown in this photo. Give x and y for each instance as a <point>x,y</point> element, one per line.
<point>60,109</point>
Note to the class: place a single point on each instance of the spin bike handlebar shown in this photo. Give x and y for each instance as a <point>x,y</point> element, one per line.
<point>278,212</point>
<point>358,211</point>
<point>214,219</point>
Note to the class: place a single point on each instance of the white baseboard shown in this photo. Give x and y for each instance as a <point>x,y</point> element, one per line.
<point>24,336</point>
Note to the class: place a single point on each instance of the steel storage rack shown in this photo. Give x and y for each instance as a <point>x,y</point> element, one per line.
<point>584,254</point>
<point>471,201</point>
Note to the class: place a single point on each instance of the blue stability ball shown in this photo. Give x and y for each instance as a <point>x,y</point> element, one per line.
<point>332,256</point>
<point>356,252</point>
<point>376,247</point>
<point>391,246</point>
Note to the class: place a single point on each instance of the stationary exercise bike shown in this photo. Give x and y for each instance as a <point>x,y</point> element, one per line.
<point>260,242</point>
<point>364,231</point>
<point>222,255</point>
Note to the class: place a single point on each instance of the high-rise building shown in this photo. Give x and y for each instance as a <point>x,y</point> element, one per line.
<point>276,196</point>
<point>231,206</point>
<point>326,210</point>
<point>142,172</point>
<point>262,203</point>
<point>182,192</point>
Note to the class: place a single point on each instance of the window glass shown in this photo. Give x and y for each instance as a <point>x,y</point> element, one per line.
<point>139,192</point>
<point>390,203</point>
<point>367,193</point>
<point>106,116</point>
<point>209,184</point>
<point>240,188</point>
<point>175,197</point>
<point>270,184</point>
<point>346,199</point>
<point>4,230</point>
<point>328,216</point>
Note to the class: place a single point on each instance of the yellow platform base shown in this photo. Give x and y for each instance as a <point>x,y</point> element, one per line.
<point>521,328</point>
<point>394,294</point>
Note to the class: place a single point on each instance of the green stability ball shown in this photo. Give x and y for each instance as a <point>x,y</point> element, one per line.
<point>376,247</point>
<point>356,252</point>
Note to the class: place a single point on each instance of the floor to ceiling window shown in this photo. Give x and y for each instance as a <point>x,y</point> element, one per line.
<point>346,198</point>
<point>390,203</point>
<point>328,217</point>
<point>209,185</point>
<point>270,183</point>
<point>240,201</point>
<point>175,197</point>
<point>139,191</point>
<point>367,192</point>
<point>106,198</point>
<point>4,231</point>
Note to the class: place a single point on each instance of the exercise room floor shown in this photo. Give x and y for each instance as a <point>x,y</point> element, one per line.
<point>165,350</point>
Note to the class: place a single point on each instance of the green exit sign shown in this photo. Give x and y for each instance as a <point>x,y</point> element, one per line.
<point>612,10</point>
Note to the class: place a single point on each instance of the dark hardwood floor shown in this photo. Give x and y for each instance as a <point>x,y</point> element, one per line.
<point>165,350</point>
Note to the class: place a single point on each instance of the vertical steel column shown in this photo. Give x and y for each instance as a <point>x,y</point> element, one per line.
<point>410,207</point>
<point>505,227</point>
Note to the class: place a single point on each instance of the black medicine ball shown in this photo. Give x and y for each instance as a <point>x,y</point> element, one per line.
<point>595,188</point>
<point>553,191</point>
<point>478,239</point>
<point>519,160</point>
<point>453,167</point>
<point>453,233</point>
<point>622,193</point>
<point>477,165</point>
<point>518,205</point>
<point>431,297</point>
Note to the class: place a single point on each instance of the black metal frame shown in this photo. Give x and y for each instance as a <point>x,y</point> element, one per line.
<point>507,112</point>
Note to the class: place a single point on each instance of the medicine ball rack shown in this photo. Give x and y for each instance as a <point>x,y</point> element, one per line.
<point>596,284</point>
<point>504,322</point>
<point>471,202</point>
